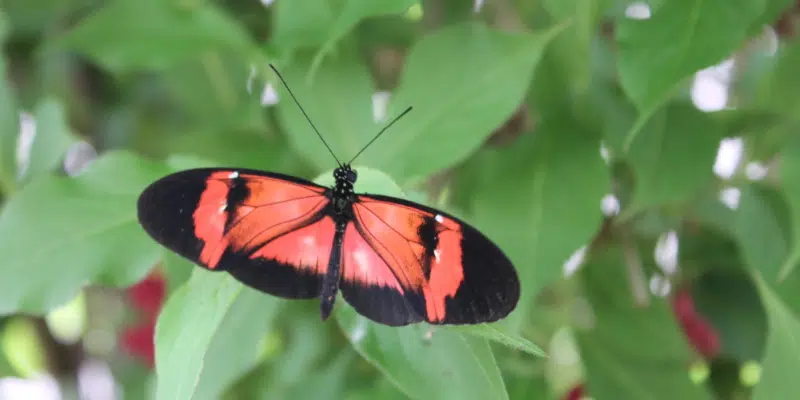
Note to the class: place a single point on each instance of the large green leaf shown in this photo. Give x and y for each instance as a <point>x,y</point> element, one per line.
<point>60,233</point>
<point>763,230</point>
<point>307,342</point>
<point>782,357</point>
<point>463,81</point>
<point>353,11</point>
<point>208,335</point>
<point>9,123</point>
<point>126,35</point>
<point>497,334</point>
<point>731,304</point>
<point>491,63</point>
<point>631,352</point>
<point>327,382</point>
<point>573,47</point>
<point>675,159</point>
<point>302,23</point>
<point>790,178</point>
<point>681,37</point>
<point>53,138</point>
<point>541,201</point>
<point>426,362</point>
<point>214,96</point>
<point>780,89</point>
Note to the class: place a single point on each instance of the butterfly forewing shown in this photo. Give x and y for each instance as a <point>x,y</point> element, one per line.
<point>268,230</point>
<point>446,271</point>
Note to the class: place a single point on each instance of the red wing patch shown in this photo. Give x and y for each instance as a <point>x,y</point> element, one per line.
<point>308,249</point>
<point>447,271</point>
<point>267,208</point>
<point>363,266</point>
<point>268,230</point>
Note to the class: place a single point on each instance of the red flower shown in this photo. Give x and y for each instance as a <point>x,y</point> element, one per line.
<point>138,342</point>
<point>701,334</point>
<point>147,296</point>
<point>576,393</point>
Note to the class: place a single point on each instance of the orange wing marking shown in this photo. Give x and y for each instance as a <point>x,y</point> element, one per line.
<point>389,224</point>
<point>363,265</point>
<point>307,248</point>
<point>402,256</point>
<point>272,207</point>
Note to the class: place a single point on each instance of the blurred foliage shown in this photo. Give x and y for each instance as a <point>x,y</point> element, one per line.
<point>528,117</point>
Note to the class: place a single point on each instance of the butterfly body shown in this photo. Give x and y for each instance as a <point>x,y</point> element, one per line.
<point>396,262</point>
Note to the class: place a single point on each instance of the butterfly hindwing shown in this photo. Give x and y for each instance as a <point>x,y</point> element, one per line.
<point>370,286</point>
<point>444,270</point>
<point>270,231</point>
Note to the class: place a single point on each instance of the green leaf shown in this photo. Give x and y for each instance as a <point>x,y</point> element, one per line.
<point>690,35</point>
<point>541,202</point>
<point>352,13</point>
<point>328,382</point>
<point>53,138</point>
<point>494,333</point>
<point>762,230</point>
<point>212,95</point>
<point>631,352</point>
<point>175,269</point>
<point>154,34</point>
<point>780,90</point>
<point>302,23</point>
<point>235,149</point>
<point>790,179</point>
<point>731,304</point>
<point>426,362</point>
<point>782,357</point>
<point>207,335</point>
<point>463,81</point>
<point>60,233</point>
<point>573,47</point>
<point>308,341</point>
<point>339,103</point>
<point>9,121</point>
<point>674,159</point>
<point>737,121</point>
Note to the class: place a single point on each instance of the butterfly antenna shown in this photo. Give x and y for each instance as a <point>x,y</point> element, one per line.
<point>304,113</point>
<point>379,133</point>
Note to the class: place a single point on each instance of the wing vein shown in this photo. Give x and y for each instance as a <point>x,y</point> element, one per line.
<point>302,217</point>
<point>387,224</point>
<point>238,220</point>
<point>420,261</point>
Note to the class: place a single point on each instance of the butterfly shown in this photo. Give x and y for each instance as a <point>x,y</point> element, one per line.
<point>396,262</point>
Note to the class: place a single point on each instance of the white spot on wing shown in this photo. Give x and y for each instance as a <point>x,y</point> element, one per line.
<point>222,208</point>
<point>308,240</point>
<point>233,175</point>
<point>439,218</point>
<point>436,255</point>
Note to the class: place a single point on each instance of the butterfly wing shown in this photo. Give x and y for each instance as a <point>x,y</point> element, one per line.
<point>404,262</point>
<point>270,231</point>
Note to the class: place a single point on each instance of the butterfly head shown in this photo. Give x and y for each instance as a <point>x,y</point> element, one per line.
<point>345,174</point>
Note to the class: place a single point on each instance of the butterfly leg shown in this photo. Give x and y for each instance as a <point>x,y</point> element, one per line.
<point>330,283</point>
